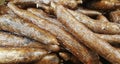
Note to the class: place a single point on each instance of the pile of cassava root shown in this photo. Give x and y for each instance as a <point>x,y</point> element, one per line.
<point>59,32</point>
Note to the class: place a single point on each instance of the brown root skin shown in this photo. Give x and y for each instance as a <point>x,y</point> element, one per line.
<point>95,25</point>
<point>68,3</point>
<point>65,56</point>
<point>81,32</point>
<point>88,12</point>
<point>6,10</point>
<point>43,15</point>
<point>100,18</point>
<point>7,39</point>
<point>77,49</point>
<point>69,57</point>
<point>115,16</point>
<point>26,29</point>
<point>20,55</point>
<point>3,9</point>
<point>110,38</point>
<point>49,59</point>
<point>105,5</point>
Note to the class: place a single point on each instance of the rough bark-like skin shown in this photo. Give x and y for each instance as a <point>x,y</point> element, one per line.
<point>115,16</point>
<point>49,59</point>
<point>66,39</point>
<point>6,10</point>
<point>97,26</point>
<point>20,55</point>
<point>86,36</point>
<point>69,3</point>
<point>101,18</point>
<point>110,38</point>
<point>25,28</point>
<point>7,39</point>
<point>43,15</point>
